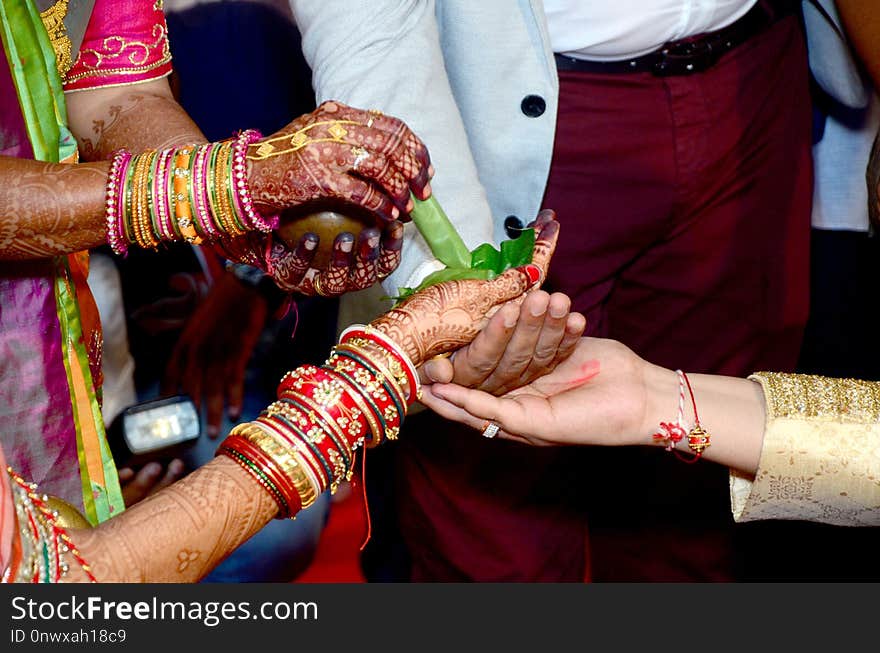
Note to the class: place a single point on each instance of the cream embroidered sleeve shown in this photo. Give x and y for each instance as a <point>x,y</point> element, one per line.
<point>821,455</point>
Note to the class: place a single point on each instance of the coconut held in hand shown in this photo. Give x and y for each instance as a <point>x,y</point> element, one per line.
<point>326,225</point>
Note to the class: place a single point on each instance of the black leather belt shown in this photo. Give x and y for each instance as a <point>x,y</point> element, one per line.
<point>693,54</point>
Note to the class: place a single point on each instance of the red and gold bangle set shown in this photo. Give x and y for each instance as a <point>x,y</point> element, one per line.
<point>305,442</point>
<point>194,193</point>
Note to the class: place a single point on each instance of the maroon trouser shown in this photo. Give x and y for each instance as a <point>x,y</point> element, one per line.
<point>685,211</point>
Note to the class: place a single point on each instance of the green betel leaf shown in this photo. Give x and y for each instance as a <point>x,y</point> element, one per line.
<point>513,253</point>
<point>486,257</point>
<point>518,251</point>
<point>485,262</point>
<point>439,232</point>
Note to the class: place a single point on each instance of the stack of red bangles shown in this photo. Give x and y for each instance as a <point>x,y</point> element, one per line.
<point>194,193</point>
<point>305,442</point>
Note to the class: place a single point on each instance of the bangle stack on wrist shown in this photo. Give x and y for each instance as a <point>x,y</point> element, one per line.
<point>195,193</point>
<point>305,442</point>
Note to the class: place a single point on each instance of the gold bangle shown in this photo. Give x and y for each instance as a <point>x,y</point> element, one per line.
<point>284,456</point>
<point>225,215</point>
<point>140,188</point>
<point>296,436</point>
<point>288,460</point>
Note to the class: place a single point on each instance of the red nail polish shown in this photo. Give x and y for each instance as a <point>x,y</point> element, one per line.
<point>534,273</point>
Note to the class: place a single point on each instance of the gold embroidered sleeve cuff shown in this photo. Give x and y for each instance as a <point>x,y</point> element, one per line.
<point>820,459</point>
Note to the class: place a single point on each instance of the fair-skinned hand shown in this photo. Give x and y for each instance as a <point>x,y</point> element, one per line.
<point>519,344</point>
<point>152,477</point>
<point>596,396</point>
<point>447,316</point>
<point>209,360</point>
<point>604,394</point>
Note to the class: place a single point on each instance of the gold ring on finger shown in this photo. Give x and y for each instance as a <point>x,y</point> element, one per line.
<point>316,284</point>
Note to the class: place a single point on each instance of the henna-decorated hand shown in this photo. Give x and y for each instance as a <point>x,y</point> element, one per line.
<point>449,315</point>
<point>519,344</point>
<point>343,154</point>
<point>357,263</point>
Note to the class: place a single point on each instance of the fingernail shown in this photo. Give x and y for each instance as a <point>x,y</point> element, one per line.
<point>234,413</point>
<point>430,170</point>
<point>153,469</point>
<point>346,245</point>
<point>310,243</point>
<point>537,311</point>
<point>534,273</point>
<point>395,213</point>
<point>429,371</point>
<point>213,431</point>
<point>557,312</point>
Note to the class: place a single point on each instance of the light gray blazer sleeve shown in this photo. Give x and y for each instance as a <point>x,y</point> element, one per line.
<point>386,54</point>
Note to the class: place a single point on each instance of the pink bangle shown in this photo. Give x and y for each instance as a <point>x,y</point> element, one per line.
<point>241,192</point>
<point>115,202</point>
<point>201,210</point>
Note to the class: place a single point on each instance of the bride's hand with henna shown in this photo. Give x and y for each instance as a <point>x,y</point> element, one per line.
<point>356,263</point>
<point>449,315</point>
<point>520,343</point>
<point>346,156</point>
<point>340,153</point>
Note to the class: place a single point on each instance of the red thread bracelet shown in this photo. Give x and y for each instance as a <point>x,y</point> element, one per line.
<point>698,439</point>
